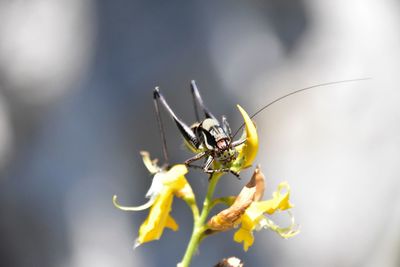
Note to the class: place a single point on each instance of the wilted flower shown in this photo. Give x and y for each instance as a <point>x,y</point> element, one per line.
<point>230,217</point>
<point>165,185</point>
<point>248,212</point>
<point>254,219</point>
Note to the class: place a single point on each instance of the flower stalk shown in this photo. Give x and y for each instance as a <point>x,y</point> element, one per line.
<point>200,224</point>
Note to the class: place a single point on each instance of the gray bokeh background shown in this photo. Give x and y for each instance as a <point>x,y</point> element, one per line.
<point>76,108</point>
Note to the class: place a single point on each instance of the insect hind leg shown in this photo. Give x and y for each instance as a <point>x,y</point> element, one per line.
<point>198,100</point>
<point>162,132</point>
<point>185,130</point>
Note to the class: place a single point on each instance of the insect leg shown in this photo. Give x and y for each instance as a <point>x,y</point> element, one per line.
<point>207,165</point>
<point>221,170</point>
<point>195,166</point>
<point>207,169</point>
<point>196,157</point>
<point>197,98</point>
<point>185,130</point>
<point>196,111</point>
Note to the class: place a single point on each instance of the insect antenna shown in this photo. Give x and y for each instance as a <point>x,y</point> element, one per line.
<point>295,92</point>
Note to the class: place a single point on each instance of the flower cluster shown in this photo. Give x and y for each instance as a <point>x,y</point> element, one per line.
<point>245,213</point>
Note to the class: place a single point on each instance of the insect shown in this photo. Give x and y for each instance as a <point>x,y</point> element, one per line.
<point>209,138</point>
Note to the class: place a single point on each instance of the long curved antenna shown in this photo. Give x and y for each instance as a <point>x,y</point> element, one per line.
<point>295,92</point>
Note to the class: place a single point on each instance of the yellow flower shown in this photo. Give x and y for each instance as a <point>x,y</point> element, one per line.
<point>254,219</point>
<point>165,184</point>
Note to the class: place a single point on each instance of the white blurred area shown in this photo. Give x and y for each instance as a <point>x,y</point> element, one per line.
<point>46,46</point>
<point>44,49</point>
<point>337,146</point>
<point>98,237</point>
<point>6,137</point>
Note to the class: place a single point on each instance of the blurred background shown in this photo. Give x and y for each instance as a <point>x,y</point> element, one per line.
<point>76,80</point>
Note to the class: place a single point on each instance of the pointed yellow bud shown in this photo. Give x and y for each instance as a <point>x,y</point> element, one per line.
<point>247,151</point>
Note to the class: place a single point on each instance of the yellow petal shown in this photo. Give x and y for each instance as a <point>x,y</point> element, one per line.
<point>254,219</point>
<point>171,223</point>
<point>176,181</point>
<point>245,236</point>
<point>174,178</point>
<point>186,193</point>
<point>153,227</point>
<point>284,232</point>
<point>174,173</point>
<point>283,198</point>
<point>166,184</point>
<point>249,221</point>
<point>279,201</point>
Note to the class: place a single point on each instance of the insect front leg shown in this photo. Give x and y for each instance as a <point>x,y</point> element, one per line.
<point>207,169</point>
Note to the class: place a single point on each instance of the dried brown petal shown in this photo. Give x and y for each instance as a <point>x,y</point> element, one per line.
<point>259,179</point>
<point>227,218</point>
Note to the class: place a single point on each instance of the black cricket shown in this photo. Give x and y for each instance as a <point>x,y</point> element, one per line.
<point>209,138</point>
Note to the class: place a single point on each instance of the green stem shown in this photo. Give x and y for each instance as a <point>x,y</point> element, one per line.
<point>223,200</point>
<point>199,223</point>
<point>193,206</point>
